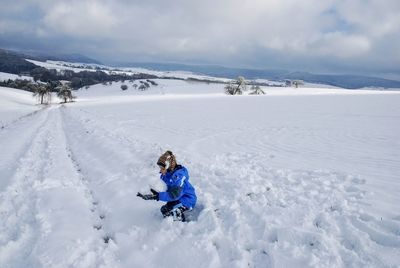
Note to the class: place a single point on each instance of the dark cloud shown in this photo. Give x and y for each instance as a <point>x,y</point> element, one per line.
<point>350,35</point>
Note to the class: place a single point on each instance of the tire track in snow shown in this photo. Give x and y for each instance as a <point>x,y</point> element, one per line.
<point>104,162</point>
<point>16,140</point>
<point>64,201</point>
<point>42,206</point>
<point>19,228</point>
<point>21,119</point>
<point>125,156</point>
<point>96,208</point>
<point>143,234</point>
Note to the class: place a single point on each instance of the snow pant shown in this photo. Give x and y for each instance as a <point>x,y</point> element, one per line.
<point>175,209</point>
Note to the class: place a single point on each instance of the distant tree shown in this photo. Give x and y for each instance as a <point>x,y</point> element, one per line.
<point>29,86</point>
<point>65,93</point>
<point>152,82</point>
<point>76,82</point>
<point>43,93</point>
<point>297,83</point>
<point>124,87</point>
<point>68,74</point>
<point>44,75</point>
<point>142,87</point>
<point>256,90</point>
<point>241,82</point>
<point>236,87</point>
<point>230,89</point>
<point>135,86</point>
<point>52,85</point>
<point>20,84</point>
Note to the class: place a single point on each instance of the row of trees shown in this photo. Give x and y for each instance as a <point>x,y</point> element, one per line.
<point>144,85</point>
<point>239,86</point>
<point>44,92</point>
<point>83,78</point>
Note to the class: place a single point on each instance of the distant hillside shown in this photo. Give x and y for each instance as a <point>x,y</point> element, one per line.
<point>344,81</point>
<point>11,62</point>
<point>14,61</point>
<point>43,56</point>
<point>211,70</point>
<point>65,57</point>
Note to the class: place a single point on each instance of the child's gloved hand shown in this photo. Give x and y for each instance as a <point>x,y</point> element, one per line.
<point>153,196</point>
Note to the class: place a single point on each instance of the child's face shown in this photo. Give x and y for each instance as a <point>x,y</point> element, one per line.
<point>163,170</point>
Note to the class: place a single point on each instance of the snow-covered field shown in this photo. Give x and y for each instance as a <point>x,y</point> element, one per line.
<point>15,104</point>
<point>295,178</point>
<point>6,76</point>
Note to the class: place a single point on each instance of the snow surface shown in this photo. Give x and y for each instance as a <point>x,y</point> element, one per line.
<point>6,76</point>
<point>294,178</point>
<point>15,104</point>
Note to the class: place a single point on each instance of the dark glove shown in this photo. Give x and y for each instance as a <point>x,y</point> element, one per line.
<point>153,196</point>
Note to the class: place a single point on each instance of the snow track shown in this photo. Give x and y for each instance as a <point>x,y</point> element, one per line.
<point>16,139</point>
<point>19,228</point>
<point>41,231</point>
<point>21,118</point>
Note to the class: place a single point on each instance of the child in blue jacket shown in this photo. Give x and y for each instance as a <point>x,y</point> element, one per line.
<point>180,194</point>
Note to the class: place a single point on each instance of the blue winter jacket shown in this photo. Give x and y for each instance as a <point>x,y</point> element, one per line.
<point>178,187</point>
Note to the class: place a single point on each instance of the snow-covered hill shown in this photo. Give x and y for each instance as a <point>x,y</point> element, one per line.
<point>78,67</point>
<point>294,178</point>
<point>15,104</point>
<point>6,76</point>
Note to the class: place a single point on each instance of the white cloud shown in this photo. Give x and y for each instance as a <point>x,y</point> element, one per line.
<point>343,46</point>
<point>80,18</point>
<point>222,31</point>
<point>9,26</point>
<point>374,17</point>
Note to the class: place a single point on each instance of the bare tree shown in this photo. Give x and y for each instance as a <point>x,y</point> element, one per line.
<point>65,93</point>
<point>142,87</point>
<point>298,83</point>
<point>42,92</point>
<point>256,90</point>
<point>236,87</point>
<point>230,89</point>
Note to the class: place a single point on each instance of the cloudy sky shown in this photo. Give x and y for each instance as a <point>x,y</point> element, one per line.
<point>338,36</point>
